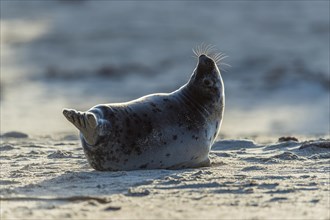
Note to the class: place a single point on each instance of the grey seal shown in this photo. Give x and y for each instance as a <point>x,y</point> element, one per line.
<point>158,131</point>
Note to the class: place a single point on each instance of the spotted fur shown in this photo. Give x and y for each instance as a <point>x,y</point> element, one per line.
<point>165,130</point>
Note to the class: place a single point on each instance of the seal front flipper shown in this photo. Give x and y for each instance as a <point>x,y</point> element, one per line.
<point>86,122</point>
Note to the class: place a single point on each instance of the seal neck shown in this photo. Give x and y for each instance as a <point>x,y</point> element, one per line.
<point>189,96</point>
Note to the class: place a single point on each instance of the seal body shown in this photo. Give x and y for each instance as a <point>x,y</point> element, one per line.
<point>165,130</point>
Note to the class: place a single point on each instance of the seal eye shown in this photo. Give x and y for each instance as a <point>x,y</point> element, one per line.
<point>207,82</point>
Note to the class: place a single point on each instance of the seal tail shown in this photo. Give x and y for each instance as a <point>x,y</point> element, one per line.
<point>86,122</point>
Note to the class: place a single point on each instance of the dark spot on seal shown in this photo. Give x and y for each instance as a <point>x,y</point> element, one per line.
<point>168,155</point>
<point>194,137</point>
<point>155,110</point>
<point>144,166</point>
<point>126,151</point>
<point>166,100</point>
<point>175,137</point>
<point>138,150</point>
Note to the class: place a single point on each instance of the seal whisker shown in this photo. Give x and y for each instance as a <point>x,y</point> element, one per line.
<point>223,57</point>
<point>223,69</point>
<point>204,48</point>
<point>199,51</point>
<point>196,54</point>
<point>196,50</point>
<point>219,55</point>
<point>209,49</point>
<point>225,64</point>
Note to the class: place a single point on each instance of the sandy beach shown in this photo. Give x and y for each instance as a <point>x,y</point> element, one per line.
<point>49,178</point>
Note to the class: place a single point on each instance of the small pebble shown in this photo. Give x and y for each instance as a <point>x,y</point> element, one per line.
<point>112,208</point>
<point>288,138</point>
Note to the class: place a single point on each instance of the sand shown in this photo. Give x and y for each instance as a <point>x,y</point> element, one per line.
<point>49,178</point>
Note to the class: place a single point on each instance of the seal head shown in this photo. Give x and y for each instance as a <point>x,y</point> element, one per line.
<point>206,80</point>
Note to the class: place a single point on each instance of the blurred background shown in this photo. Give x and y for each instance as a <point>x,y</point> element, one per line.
<point>77,54</point>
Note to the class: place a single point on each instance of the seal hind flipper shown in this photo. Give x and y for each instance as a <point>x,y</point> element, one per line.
<point>86,122</point>
<point>91,119</point>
